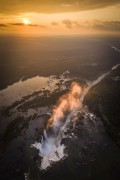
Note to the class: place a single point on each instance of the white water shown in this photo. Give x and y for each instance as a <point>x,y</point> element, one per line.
<point>99,78</point>
<point>50,148</point>
<point>115,49</point>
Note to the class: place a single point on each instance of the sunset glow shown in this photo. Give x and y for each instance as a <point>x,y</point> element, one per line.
<point>26,21</point>
<point>59,18</point>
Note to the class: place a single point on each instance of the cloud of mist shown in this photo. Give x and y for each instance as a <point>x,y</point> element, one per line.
<point>50,147</point>
<point>65,105</point>
<point>62,113</point>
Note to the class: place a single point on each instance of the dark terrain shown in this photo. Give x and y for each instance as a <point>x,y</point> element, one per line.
<point>104,100</point>
<point>86,57</point>
<point>93,146</point>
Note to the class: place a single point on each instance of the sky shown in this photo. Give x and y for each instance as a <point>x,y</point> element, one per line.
<point>59,17</point>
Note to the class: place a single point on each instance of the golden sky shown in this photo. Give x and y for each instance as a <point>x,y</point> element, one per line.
<point>59,17</point>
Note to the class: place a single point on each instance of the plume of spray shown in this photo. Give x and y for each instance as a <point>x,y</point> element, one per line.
<point>65,105</point>
<point>62,113</point>
<point>50,147</point>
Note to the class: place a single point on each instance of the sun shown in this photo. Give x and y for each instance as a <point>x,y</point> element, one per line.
<point>26,21</point>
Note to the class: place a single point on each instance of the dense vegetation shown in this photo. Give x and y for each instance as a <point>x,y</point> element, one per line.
<point>104,100</point>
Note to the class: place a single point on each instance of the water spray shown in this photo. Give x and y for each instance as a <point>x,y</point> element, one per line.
<point>50,147</point>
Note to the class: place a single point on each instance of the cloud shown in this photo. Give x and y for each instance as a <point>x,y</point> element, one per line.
<point>17,24</point>
<point>22,24</point>
<point>95,25</point>
<point>8,25</point>
<point>3,25</point>
<point>51,6</point>
<point>107,25</point>
<point>68,23</point>
<point>54,23</point>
